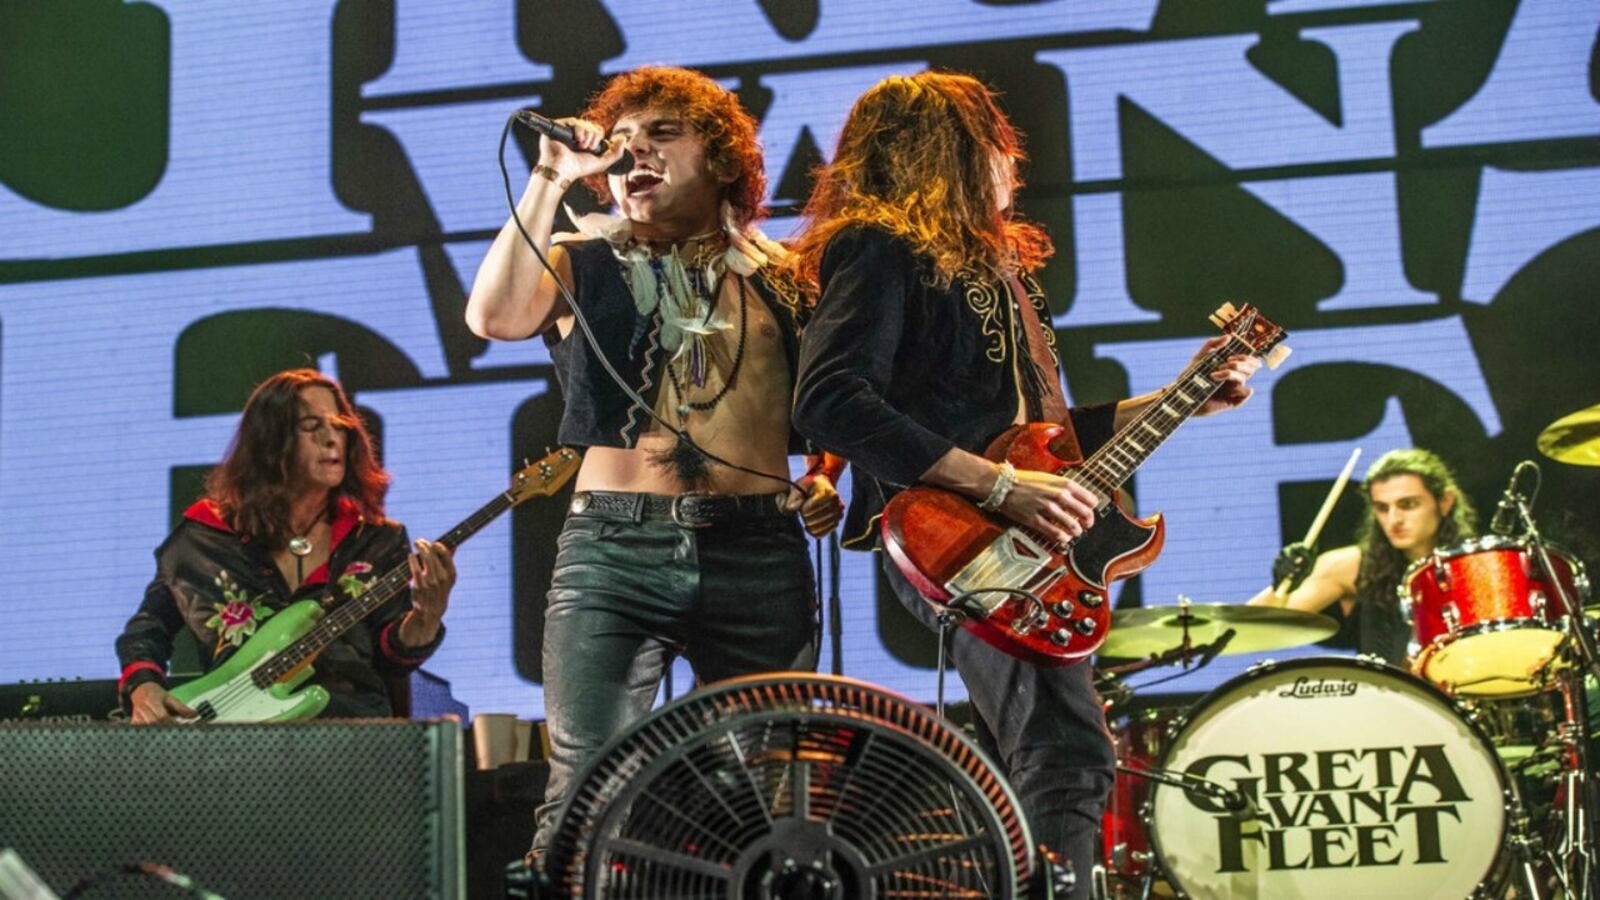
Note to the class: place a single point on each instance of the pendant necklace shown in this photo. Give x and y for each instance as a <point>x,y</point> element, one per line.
<point>300,546</point>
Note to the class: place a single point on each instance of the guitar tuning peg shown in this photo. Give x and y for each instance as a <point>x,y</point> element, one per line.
<point>526,462</point>
<point>1278,354</point>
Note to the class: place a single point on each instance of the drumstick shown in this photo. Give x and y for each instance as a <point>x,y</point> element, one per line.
<point>1315,531</point>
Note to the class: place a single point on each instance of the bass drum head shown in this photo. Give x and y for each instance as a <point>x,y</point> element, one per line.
<point>1365,782</point>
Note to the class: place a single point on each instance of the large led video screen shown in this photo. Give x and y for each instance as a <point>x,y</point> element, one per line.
<point>194,195</point>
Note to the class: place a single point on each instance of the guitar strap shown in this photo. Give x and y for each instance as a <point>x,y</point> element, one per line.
<point>1039,377</point>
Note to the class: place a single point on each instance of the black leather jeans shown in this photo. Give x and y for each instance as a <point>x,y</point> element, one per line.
<point>1049,733</point>
<point>626,598</point>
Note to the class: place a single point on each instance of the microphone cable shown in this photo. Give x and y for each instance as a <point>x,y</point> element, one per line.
<point>682,434</point>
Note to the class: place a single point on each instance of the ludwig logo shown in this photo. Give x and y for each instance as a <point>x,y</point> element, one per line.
<point>1304,687</point>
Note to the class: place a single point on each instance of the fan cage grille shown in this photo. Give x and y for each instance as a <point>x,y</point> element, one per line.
<point>674,806</point>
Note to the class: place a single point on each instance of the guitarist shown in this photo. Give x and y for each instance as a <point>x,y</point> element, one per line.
<point>931,337</point>
<point>295,510</point>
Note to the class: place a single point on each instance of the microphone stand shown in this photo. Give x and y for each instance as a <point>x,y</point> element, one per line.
<point>1236,803</point>
<point>1580,783</point>
<point>1181,654</point>
<point>835,606</point>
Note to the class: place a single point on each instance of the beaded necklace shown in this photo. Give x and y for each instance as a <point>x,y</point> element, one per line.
<point>683,292</point>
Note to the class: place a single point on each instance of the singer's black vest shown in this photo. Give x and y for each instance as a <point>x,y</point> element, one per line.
<point>598,413</point>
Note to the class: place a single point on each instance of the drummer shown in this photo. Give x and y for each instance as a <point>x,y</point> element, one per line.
<point>1413,506</point>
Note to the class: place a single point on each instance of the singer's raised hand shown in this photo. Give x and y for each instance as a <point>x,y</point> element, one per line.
<point>516,293</point>
<point>575,164</point>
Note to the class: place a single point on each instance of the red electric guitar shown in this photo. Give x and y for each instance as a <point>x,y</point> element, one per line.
<point>946,546</point>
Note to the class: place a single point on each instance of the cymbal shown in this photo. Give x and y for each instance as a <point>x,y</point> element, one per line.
<point>1573,438</point>
<point>1137,633</point>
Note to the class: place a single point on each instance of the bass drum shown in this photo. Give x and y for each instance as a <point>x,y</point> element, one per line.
<point>1358,780</point>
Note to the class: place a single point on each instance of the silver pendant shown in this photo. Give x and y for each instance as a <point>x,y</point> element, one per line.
<point>300,546</point>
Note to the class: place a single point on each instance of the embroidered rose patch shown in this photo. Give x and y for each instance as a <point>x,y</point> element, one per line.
<point>238,613</point>
<point>350,581</point>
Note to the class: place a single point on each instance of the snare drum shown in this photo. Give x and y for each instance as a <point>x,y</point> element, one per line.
<point>1362,781</point>
<point>1487,624</point>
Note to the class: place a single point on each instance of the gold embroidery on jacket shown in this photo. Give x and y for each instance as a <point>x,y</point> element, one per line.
<point>985,299</point>
<point>1042,305</point>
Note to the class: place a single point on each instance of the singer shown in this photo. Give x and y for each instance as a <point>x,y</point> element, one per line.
<point>1413,507</point>
<point>664,552</point>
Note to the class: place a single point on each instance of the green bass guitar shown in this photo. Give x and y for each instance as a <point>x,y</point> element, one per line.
<point>262,681</point>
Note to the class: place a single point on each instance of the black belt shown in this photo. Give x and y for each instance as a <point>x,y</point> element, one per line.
<point>687,510</point>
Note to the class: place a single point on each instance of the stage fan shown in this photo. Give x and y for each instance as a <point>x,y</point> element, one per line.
<point>790,786</point>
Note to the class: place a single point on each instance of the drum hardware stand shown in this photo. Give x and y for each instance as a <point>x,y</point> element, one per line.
<point>1185,616</point>
<point>1578,837</point>
<point>1581,801</point>
<point>1526,844</point>
<point>1147,882</point>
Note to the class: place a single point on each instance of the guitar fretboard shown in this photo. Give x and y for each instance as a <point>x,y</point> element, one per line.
<point>1114,463</point>
<point>376,595</point>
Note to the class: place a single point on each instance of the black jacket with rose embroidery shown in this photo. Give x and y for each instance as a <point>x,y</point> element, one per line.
<point>217,583</point>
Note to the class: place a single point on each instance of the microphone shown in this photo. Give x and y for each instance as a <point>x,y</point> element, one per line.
<point>563,134</point>
<point>1233,801</point>
<point>1505,515</point>
<point>1236,802</point>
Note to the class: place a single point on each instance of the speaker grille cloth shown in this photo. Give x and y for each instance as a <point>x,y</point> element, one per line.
<point>332,809</point>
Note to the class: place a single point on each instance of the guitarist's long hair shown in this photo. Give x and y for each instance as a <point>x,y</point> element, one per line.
<point>251,486</point>
<point>1382,566</point>
<point>917,159</point>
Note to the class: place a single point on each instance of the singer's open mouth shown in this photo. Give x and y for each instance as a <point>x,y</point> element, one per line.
<point>640,183</point>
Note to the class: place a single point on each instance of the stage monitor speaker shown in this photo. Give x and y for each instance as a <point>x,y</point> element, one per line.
<point>317,809</point>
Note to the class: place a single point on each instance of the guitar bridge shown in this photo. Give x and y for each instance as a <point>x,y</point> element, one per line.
<point>1013,560</point>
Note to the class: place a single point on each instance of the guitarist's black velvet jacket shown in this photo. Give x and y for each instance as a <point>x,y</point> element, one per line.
<point>874,384</point>
<point>215,582</point>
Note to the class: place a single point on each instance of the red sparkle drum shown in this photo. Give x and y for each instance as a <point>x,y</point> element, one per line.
<point>1487,623</point>
<point>1362,780</point>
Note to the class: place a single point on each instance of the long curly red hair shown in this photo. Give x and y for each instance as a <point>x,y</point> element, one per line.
<point>251,486</point>
<point>917,157</point>
<point>732,147</point>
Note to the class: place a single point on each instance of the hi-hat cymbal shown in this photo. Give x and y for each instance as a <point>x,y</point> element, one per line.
<point>1150,630</point>
<point>1573,438</point>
